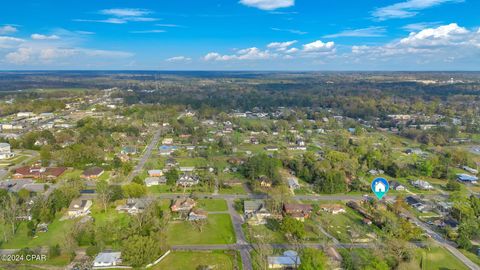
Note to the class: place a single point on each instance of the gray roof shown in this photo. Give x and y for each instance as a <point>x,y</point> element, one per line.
<point>289,258</point>
<point>107,257</point>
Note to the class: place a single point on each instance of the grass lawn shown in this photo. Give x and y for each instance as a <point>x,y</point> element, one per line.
<point>438,258</point>
<point>219,260</point>
<point>71,174</point>
<point>237,189</point>
<point>263,231</point>
<point>217,230</point>
<point>105,176</point>
<point>55,235</point>
<point>339,225</point>
<point>212,205</point>
<point>192,162</point>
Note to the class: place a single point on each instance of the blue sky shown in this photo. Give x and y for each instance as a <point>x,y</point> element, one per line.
<point>241,35</point>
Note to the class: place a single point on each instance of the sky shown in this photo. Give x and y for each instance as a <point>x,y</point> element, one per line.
<point>299,35</point>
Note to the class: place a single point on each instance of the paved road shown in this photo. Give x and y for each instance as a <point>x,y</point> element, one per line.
<point>248,247</point>
<point>237,221</point>
<point>146,155</point>
<point>260,196</point>
<point>450,246</point>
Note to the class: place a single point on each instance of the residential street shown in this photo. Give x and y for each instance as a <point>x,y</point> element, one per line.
<point>146,155</point>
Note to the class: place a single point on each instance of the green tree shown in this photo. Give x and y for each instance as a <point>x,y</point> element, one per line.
<point>172,176</point>
<point>293,228</point>
<point>134,190</point>
<point>312,259</point>
<point>140,250</point>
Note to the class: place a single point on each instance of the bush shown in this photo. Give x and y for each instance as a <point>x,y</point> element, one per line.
<point>54,251</point>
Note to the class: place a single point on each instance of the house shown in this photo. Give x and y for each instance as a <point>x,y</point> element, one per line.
<point>415,151</point>
<point>25,114</point>
<point>107,259</point>
<point>128,150</point>
<point>166,150</point>
<point>79,207</point>
<point>92,173</point>
<point>293,183</point>
<point>37,172</point>
<point>190,147</point>
<point>6,151</point>
<point>466,178</point>
<point>197,214</point>
<point>171,163</point>
<point>289,260</point>
<point>333,208</point>
<point>397,186</point>
<point>297,210</point>
<point>366,221</point>
<point>42,228</point>
<point>420,184</point>
<point>235,161</point>
<point>155,181</point>
<point>155,173</point>
<point>188,180</point>
<point>376,172</point>
<point>183,205</point>
<point>255,212</point>
<point>265,183</point>
<point>470,170</point>
<point>135,205</point>
<point>187,169</point>
<point>167,141</point>
<point>417,204</point>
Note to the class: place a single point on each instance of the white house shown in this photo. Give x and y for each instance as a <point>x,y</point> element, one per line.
<point>5,151</point>
<point>79,207</point>
<point>109,258</point>
<point>289,260</point>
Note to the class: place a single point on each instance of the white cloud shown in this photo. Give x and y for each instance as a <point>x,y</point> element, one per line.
<point>292,31</point>
<point>407,8</point>
<point>281,46</point>
<point>252,53</point>
<point>41,56</point>
<point>319,46</point>
<point>373,31</point>
<point>169,25</point>
<point>445,35</point>
<point>9,42</point>
<point>85,32</point>
<point>110,20</point>
<point>122,16</point>
<point>268,4</point>
<point>419,26</point>
<point>126,12</point>
<point>432,46</point>
<point>7,29</point>
<point>147,31</point>
<point>292,51</point>
<point>179,59</point>
<point>21,56</point>
<point>44,37</point>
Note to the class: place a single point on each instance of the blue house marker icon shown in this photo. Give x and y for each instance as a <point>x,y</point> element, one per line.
<point>380,187</point>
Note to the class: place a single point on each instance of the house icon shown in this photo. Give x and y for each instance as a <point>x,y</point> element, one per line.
<point>380,187</point>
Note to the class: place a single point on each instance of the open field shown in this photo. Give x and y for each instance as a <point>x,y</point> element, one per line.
<point>217,230</point>
<point>219,260</point>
